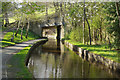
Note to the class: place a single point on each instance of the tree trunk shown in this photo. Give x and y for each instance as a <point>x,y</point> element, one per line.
<point>6,19</point>
<point>46,13</point>
<point>64,6</point>
<point>89,31</point>
<point>109,43</point>
<point>61,9</point>
<point>84,24</point>
<point>94,35</point>
<point>2,20</point>
<point>101,29</point>
<point>46,10</point>
<point>22,32</point>
<point>27,29</point>
<point>117,11</point>
<point>55,6</point>
<point>105,36</point>
<point>17,28</point>
<point>12,39</point>
<point>100,33</point>
<point>63,20</point>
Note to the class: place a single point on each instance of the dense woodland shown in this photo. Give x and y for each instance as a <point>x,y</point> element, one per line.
<point>94,23</point>
<point>86,22</point>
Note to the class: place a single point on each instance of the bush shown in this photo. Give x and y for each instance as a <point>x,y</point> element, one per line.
<point>66,36</point>
<point>76,34</point>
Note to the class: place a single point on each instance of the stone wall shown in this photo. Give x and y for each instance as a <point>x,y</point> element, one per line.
<point>62,31</point>
<point>91,57</point>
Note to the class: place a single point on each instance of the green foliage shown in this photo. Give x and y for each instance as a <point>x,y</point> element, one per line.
<point>67,36</point>
<point>6,6</point>
<point>76,34</point>
<point>103,22</point>
<point>113,22</point>
<point>6,41</point>
<point>96,22</point>
<point>72,35</point>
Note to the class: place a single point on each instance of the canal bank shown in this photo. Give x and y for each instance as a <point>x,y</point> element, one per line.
<point>13,61</point>
<point>92,57</point>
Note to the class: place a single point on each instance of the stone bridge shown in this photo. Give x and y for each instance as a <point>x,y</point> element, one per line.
<point>54,22</point>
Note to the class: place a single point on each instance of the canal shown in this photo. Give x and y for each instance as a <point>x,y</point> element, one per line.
<point>54,60</point>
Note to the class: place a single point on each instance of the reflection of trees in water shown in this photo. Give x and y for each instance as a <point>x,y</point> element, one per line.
<point>83,74</point>
<point>46,63</point>
<point>51,44</point>
<point>57,64</point>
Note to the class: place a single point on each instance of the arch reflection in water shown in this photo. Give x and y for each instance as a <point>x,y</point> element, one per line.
<point>54,60</point>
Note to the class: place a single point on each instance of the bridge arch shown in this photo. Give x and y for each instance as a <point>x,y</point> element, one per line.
<point>38,29</point>
<point>58,30</point>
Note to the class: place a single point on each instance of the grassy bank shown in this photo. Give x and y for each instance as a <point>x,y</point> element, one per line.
<point>100,50</point>
<point>6,41</point>
<point>17,64</point>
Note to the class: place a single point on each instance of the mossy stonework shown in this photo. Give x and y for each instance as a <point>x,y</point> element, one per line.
<point>91,57</point>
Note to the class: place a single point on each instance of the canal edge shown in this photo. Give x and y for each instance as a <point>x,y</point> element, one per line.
<point>85,54</point>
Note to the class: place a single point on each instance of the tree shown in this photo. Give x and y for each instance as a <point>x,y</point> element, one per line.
<point>113,22</point>
<point>118,11</point>
<point>27,28</point>
<point>5,9</point>
<point>84,24</point>
<point>89,31</point>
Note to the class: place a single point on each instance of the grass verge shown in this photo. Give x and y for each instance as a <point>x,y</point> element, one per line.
<point>6,41</point>
<point>100,50</point>
<point>17,64</point>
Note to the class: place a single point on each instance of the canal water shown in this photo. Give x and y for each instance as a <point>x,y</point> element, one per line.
<point>54,60</point>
